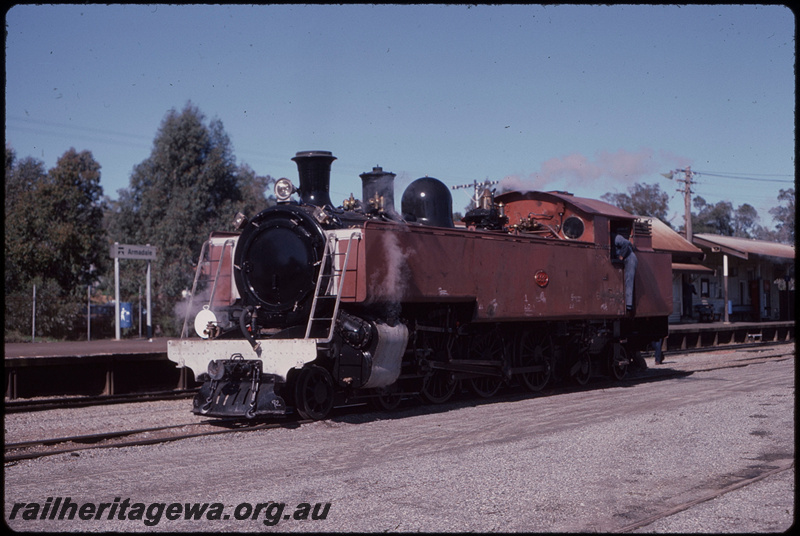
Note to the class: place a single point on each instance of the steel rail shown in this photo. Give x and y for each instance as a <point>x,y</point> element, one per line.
<point>713,495</point>
<point>12,457</point>
<point>41,404</point>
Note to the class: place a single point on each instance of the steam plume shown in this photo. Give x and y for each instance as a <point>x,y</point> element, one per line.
<point>390,286</point>
<point>606,169</point>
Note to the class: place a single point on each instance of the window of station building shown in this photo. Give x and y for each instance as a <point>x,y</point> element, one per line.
<point>573,227</point>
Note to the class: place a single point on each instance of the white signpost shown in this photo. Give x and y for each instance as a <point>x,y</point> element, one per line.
<point>126,251</point>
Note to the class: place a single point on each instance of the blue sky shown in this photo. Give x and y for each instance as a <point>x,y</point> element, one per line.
<point>589,99</point>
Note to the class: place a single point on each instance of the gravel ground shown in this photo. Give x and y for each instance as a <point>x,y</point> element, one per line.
<point>588,461</point>
<point>69,422</point>
<point>20,427</point>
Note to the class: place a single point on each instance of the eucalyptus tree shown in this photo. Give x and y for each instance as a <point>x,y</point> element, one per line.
<point>187,187</point>
<point>784,214</point>
<point>55,239</point>
<point>642,200</point>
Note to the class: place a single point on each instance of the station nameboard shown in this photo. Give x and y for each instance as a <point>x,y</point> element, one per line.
<point>127,251</point>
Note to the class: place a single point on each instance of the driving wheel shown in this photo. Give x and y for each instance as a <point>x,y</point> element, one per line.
<point>618,367</point>
<point>487,348</point>
<point>536,356</point>
<point>438,386</point>
<point>314,393</point>
<point>581,370</point>
<point>387,398</point>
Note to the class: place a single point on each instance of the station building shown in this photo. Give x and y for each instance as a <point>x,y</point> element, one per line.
<point>760,278</point>
<point>759,286</point>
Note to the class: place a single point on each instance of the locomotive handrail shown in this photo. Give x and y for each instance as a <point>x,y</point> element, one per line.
<point>225,245</point>
<point>331,252</point>
<point>355,235</point>
<point>194,288</point>
<point>203,251</point>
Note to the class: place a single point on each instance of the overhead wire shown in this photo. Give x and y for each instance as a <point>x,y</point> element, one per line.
<point>741,177</point>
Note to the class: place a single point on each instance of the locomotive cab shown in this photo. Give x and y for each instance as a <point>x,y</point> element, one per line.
<point>562,216</point>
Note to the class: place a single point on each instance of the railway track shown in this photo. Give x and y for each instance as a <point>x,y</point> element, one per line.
<point>755,353</point>
<point>26,450</point>
<point>15,452</point>
<point>41,404</point>
<point>711,495</point>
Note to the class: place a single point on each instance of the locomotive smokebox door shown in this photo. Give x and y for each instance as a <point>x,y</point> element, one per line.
<point>276,263</point>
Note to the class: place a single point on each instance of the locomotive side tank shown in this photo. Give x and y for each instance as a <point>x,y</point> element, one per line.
<point>362,302</point>
<point>518,276</point>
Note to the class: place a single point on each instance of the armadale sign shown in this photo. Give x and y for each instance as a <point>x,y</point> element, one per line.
<point>127,251</point>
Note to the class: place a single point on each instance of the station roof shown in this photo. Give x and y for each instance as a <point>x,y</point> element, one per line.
<point>683,251</point>
<point>745,247</point>
<point>666,239</point>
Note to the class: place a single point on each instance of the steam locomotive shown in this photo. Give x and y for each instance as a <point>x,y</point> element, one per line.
<point>307,304</point>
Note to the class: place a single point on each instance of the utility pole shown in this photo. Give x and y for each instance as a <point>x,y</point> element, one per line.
<point>687,196</point>
<point>687,200</point>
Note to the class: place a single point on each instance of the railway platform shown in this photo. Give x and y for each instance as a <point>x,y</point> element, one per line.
<point>104,367</point>
<point>709,334</point>
<point>109,367</point>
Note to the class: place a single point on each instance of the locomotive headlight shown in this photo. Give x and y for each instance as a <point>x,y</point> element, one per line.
<point>284,190</point>
<point>202,321</point>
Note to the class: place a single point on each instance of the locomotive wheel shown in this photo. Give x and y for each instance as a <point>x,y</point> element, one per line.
<point>388,398</point>
<point>618,369</point>
<point>581,370</point>
<point>487,347</point>
<point>536,353</point>
<point>314,393</point>
<point>438,386</point>
<point>485,386</point>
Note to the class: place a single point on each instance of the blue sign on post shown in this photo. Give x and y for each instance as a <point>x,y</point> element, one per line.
<point>125,315</point>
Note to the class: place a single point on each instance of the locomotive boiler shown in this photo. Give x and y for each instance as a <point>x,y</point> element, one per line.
<point>308,303</point>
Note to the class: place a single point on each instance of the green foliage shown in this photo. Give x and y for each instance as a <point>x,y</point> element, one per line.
<point>187,187</point>
<point>58,314</point>
<point>642,200</point>
<point>54,239</point>
<point>720,218</point>
<point>745,222</point>
<point>784,214</point>
<point>715,219</point>
<point>22,256</point>
<point>254,189</point>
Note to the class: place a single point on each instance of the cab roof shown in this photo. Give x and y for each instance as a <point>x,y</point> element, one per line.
<point>588,206</point>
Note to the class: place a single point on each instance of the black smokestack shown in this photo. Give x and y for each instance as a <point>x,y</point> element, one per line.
<point>314,168</point>
<point>377,191</point>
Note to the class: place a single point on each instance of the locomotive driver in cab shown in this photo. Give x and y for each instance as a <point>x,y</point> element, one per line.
<point>624,251</point>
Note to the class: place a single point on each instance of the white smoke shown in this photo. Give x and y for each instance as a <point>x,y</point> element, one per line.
<point>389,285</point>
<point>612,170</point>
<point>186,309</point>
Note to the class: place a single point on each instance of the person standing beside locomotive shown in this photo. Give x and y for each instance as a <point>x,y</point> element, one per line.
<point>624,251</point>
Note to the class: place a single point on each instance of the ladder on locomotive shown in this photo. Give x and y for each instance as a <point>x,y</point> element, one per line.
<point>329,285</point>
<point>203,282</point>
